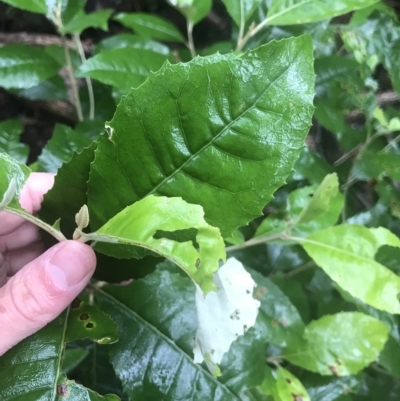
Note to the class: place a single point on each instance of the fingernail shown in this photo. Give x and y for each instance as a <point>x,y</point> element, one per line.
<point>69,265</point>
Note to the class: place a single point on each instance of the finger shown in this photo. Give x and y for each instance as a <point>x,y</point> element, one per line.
<point>31,198</point>
<point>39,292</point>
<point>20,238</point>
<point>16,260</point>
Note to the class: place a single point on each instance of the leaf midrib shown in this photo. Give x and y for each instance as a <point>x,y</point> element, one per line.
<point>167,339</point>
<point>217,136</point>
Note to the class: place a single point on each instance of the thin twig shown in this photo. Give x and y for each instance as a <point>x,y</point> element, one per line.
<point>256,241</point>
<point>242,23</point>
<point>81,52</point>
<point>190,43</point>
<point>74,85</point>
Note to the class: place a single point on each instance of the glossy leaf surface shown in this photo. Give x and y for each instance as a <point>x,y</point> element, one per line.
<point>111,67</point>
<point>151,358</point>
<point>10,131</point>
<point>150,26</point>
<point>346,253</point>
<point>339,344</point>
<point>23,66</point>
<point>289,12</point>
<point>241,10</point>
<point>278,321</point>
<point>202,130</point>
<point>137,225</point>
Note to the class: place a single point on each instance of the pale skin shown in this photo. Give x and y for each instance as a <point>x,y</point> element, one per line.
<point>40,284</point>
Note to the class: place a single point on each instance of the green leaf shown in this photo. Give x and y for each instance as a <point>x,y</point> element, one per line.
<point>278,321</point>
<point>62,145</point>
<point>36,6</point>
<point>241,10</point>
<point>82,21</point>
<point>193,10</point>
<point>137,225</point>
<point>50,89</point>
<point>72,358</point>
<point>87,321</point>
<point>130,40</point>
<point>389,163</point>
<point>156,334</point>
<point>38,360</point>
<point>150,26</point>
<point>12,178</point>
<point>23,66</point>
<point>288,12</point>
<point>309,209</point>
<point>112,68</point>
<point>288,387</point>
<point>340,344</point>
<point>346,253</point>
<point>240,109</point>
<point>10,131</point>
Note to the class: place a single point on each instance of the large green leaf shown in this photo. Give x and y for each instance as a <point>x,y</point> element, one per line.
<point>339,344</point>
<point>82,21</point>
<point>12,178</point>
<point>241,10</point>
<point>64,142</point>
<point>150,26</point>
<point>193,10</point>
<point>346,253</point>
<point>138,224</point>
<point>288,12</point>
<point>153,357</point>
<point>23,66</point>
<point>278,321</point>
<point>123,68</point>
<point>10,131</point>
<point>207,131</point>
<point>31,370</point>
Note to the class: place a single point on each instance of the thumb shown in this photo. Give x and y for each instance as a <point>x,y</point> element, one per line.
<point>41,290</point>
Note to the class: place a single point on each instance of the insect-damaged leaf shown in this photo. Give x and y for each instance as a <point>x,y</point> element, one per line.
<point>205,130</point>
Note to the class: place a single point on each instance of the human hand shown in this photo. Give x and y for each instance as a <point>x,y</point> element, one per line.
<point>38,285</point>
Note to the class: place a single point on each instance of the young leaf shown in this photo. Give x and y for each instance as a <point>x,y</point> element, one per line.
<point>150,26</point>
<point>339,344</point>
<point>201,130</point>
<point>156,335</point>
<point>289,12</point>
<point>38,360</point>
<point>224,315</point>
<point>23,66</point>
<point>10,130</point>
<point>111,67</point>
<point>241,10</point>
<point>12,178</point>
<point>138,224</point>
<point>193,10</point>
<point>82,21</point>
<point>346,253</point>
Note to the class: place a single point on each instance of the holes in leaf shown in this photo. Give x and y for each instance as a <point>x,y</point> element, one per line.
<point>84,316</point>
<point>178,235</point>
<point>198,263</point>
<point>76,303</point>
<point>89,325</point>
<point>62,389</point>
